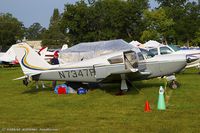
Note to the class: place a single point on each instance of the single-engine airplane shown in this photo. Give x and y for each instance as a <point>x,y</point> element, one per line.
<point>127,64</point>
<point>172,49</point>
<point>8,58</point>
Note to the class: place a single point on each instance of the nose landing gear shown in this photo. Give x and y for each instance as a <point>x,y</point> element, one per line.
<point>174,84</point>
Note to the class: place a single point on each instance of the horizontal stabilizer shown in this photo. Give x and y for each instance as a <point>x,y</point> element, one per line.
<point>145,73</point>
<point>23,77</point>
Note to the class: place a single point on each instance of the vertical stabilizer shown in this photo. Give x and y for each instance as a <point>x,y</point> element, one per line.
<point>30,61</point>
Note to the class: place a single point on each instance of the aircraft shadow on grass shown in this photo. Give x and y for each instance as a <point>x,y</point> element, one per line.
<point>190,73</point>
<point>108,88</point>
<point>135,89</point>
<point>33,90</point>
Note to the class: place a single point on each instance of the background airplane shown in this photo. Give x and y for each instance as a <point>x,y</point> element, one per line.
<point>8,58</point>
<point>49,53</point>
<point>172,49</point>
<point>157,48</point>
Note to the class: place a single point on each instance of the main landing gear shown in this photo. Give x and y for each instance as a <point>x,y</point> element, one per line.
<point>25,81</point>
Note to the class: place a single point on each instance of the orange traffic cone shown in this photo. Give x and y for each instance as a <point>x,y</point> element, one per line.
<point>147,107</point>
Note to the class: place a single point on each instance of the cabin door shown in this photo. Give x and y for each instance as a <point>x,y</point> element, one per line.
<point>130,60</point>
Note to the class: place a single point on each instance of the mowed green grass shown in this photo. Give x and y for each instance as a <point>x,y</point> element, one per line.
<point>100,110</point>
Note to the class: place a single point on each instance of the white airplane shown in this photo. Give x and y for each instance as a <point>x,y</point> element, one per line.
<point>9,57</point>
<point>1,54</point>
<point>125,65</point>
<point>172,49</point>
<point>49,53</point>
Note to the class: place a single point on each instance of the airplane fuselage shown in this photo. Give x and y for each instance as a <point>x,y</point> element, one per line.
<point>150,68</point>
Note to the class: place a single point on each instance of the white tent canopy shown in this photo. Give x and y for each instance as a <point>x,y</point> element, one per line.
<point>135,43</point>
<point>152,44</point>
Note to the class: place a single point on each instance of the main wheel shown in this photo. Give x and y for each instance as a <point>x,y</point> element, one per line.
<point>25,82</point>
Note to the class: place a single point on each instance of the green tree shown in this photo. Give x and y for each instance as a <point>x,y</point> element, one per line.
<point>35,31</point>
<point>134,19</point>
<point>171,3</point>
<point>150,35</point>
<point>189,24</point>
<point>54,36</point>
<point>55,19</point>
<point>103,20</point>
<point>186,17</point>
<point>196,40</point>
<point>11,29</point>
<point>74,21</point>
<point>159,25</point>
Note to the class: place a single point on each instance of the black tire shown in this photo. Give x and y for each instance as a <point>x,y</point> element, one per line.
<point>76,85</point>
<point>25,82</point>
<point>174,84</point>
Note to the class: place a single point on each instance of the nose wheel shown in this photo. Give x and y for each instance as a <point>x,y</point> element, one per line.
<point>174,84</point>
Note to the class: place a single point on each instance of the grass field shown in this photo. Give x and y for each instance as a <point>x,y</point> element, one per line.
<point>25,108</point>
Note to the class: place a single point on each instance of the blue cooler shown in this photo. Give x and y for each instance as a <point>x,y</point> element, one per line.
<point>81,91</point>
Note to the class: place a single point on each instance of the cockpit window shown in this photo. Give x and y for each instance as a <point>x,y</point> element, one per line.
<point>147,54</point>
<point>165,50</point>
<point>154,51</point>
<point>174,47</point>
<point>140,56</point>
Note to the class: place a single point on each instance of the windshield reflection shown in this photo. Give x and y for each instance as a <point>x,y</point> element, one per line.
<point>147,54</point>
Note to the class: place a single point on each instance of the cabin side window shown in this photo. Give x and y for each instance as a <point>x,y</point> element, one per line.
<point>140,56</point>
<point>165,50</point>
<point>154,51</point>
<point>146,54</point>
<point>115,60</point>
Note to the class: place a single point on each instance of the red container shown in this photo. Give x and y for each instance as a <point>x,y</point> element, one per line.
<point>61,90</point>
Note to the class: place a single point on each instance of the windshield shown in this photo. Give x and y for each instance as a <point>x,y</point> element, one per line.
<point>174,47</point>
<point>165,50</point>
<point>147,54</point>
<point>154,51</point>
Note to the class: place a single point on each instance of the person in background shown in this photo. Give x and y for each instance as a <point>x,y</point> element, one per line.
<point>54,61</point>
<point>37,82</point>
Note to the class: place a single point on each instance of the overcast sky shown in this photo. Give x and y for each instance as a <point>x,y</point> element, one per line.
<point>31,11</point>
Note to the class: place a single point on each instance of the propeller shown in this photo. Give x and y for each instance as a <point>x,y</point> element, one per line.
<point>191,58</point>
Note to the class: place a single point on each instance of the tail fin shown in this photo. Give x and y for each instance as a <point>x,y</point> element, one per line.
<point>29,60</point>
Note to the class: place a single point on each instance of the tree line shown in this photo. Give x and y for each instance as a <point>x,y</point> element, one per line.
<point>172,22</point>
